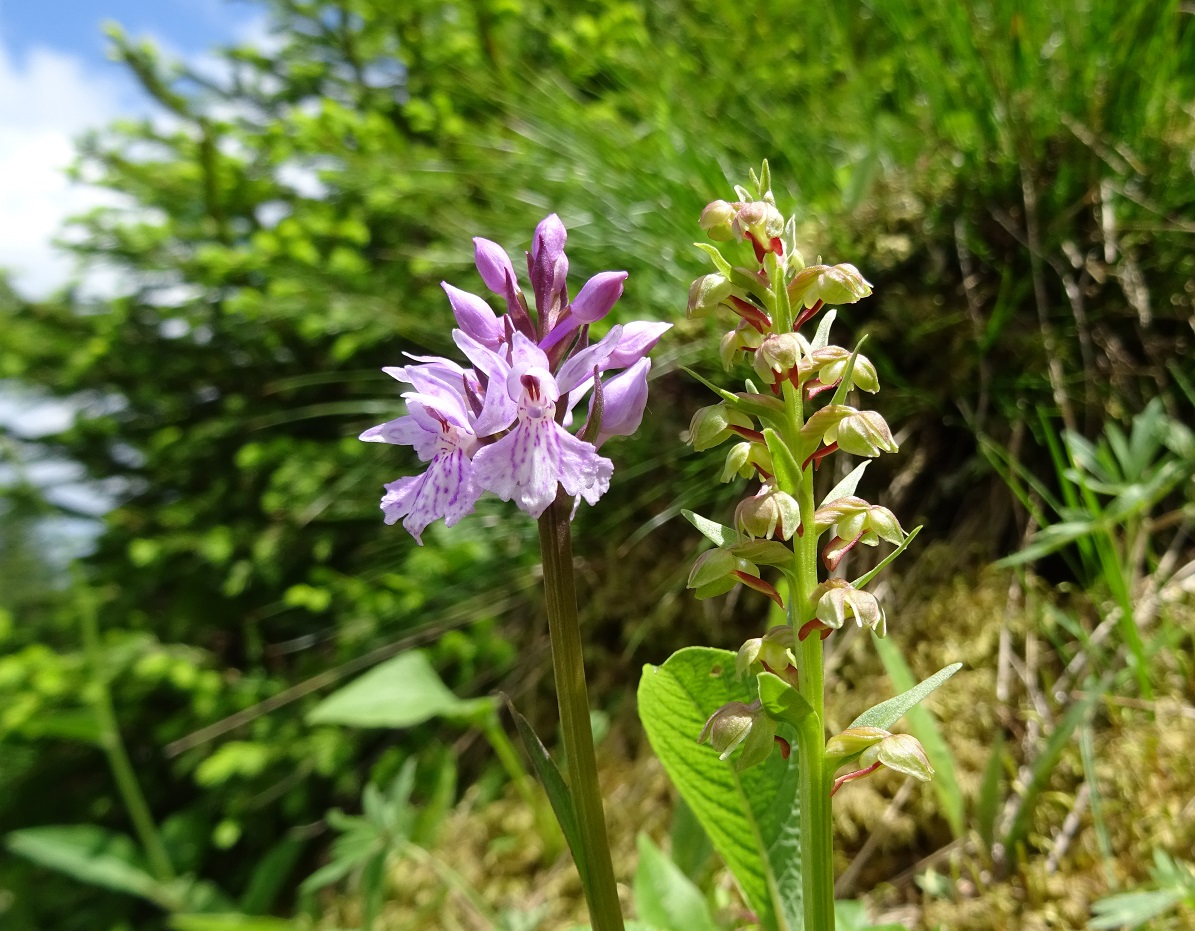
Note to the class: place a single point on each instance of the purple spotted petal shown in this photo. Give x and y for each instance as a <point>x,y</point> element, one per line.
<point>637,340</point>
<point>527,464</point>
<point>499,409</point>
<point>475,316</point>
<point>624,398</point>
<point>447,490</point>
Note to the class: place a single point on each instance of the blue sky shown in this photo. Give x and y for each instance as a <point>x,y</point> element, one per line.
<point>76,26</point>
<point>56,82</point>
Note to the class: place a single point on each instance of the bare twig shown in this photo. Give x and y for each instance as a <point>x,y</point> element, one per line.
<point>1070,827</point>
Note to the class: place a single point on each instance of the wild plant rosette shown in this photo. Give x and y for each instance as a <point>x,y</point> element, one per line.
<point>504,425</point>
<point>723,723</point>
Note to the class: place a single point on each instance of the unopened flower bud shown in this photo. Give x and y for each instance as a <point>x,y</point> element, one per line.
<point>716,219</point>
<point>598,296</point>
<point>830,284</point>
<point>837,599</point>
<point>902,753</point>
<point>744,337</point>
<point>863,433</point>
<point>770,512</point>
<point>707,293</point>
<point>745,459</point>
<point>854,740</point>
<point>715,572</point>
<point>842,284</point>
<point>737,724</point>
<point>711,426</point>
<point>830,364</point>
<point>759,218</point>
<point>772,651</point>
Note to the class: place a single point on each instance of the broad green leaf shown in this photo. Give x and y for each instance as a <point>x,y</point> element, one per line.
<point>925,729</point>
<point>664,896</point>
<point>781,700</point>
<point>557,790</point>
<point>751,817</point>
<point>230,922</point>
<point>270,875</point>
<point>887,713</point>
<point>91,855</point>
<point>718,534</point>
<point>401,692</point>
<point>80,725</point>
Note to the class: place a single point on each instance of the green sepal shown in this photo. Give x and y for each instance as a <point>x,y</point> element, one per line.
<point>781,701</point>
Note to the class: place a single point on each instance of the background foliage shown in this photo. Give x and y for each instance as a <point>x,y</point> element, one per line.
<point>1015,179</point>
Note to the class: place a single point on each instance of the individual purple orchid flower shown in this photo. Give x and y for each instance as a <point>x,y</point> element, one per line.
<point>438,426</point>
<point>528,463</point>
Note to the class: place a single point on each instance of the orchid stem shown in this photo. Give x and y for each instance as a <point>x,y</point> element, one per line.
<point>568,663</point>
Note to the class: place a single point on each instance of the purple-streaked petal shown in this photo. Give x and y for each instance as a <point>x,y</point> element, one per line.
<point>580,367</point>
<point>475,316</point>
<point>499,409</point>
<point>637,340</point>
<point>525,354</point>
<point>446,490</point>
<point>527,464</point>
<point>403,431</point>
<point>430,409</point>
<point>493,264</point>
<point>598,295</point>
<point>624,398</point>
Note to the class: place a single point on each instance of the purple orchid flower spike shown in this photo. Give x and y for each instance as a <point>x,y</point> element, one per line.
<point>495,427</point>
<point>438,426</point>
<point>528,464</point>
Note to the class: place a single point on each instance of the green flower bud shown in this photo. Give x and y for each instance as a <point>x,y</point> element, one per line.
<point>830,284</point>
<point>862,433</point>
<point>770,512</point>
<point>778,354</point>
<point>830,365</point>
<point>759,218</point>
<point>854,740</point>
<point>773,650</point>
<point>902,753</point>
<point>711,426</point>
<point>744,337</point>
<point>716,219</point>
<point>744,459</point>
<point>837,599</point>
<point>737,724</point>
<point>707,293</point>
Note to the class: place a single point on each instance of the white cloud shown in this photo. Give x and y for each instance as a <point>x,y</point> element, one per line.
<point>46,100</point>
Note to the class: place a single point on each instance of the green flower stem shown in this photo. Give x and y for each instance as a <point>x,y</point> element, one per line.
<point>815,778</point>
<point>555,543</point>
<point>114,748</point>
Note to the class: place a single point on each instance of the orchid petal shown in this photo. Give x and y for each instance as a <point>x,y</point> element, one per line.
<point>638,339</point>
<point>475,316</point>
